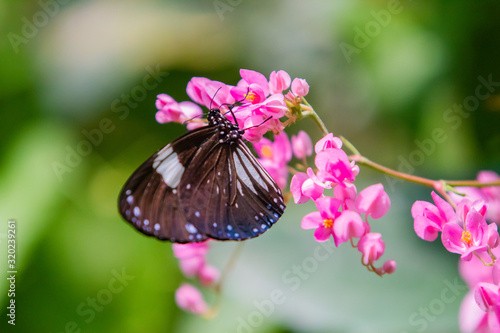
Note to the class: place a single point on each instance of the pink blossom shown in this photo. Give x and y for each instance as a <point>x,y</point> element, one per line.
<point>209,93</point>
<point>465,241</point>
<point>208,275</point>
<point>190,250</point>
<point>190,299</point>
<point>490,195</point>
<point>192,261</point>
<point>302,145</point>
<point>323,220</point>
<point>389,267</point>
<point>334,166</point>
<point>300,87</point>
<point>279,81</point>
<point>471,317</point>
<point>349,225</point>
<point>346,192</point>
<point>328,141</point>
<point>304,188</point>
<point>372,247</point>
<point>474,270</point>
<point>465,205</point>
<point>192,266</point>
<point>171,111</point>
<point>274,156</point>
<point>487,297</point>
<point>373,201</point>
<point>252,77</point>
<point>429,219</point>
<point>254,128</point>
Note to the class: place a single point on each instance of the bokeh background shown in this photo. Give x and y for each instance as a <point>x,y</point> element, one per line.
<point>385,74</point>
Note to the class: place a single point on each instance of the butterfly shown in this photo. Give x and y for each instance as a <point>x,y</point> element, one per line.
<point>206,184</point>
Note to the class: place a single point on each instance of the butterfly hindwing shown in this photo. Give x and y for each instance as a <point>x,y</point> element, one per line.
<point>233,197</point>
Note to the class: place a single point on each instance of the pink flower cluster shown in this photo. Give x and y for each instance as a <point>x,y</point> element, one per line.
<point>480,309</point>
<point>339,217</point>
<point>463,231</point>
<point>489,195</point>
<point>192,261</point>
<point>260,102</point>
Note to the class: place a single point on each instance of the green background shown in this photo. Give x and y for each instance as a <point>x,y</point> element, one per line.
<point>385,74</point>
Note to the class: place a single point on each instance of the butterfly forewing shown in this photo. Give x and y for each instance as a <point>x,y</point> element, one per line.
<point>149,200</point>
<point>201,187</point>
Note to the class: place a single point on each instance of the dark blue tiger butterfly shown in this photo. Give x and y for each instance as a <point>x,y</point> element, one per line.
<point>205,184</point>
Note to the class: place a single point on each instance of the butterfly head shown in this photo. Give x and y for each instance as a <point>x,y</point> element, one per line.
<point>228,132</point>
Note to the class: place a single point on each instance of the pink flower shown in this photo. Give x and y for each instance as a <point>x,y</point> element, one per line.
<point>190,299</point>
<point>487,297</point>
<point>471,317</point>
<point>302,145</point>
<point>190,250</point>
<point>192,261</point>
<point>373,201</point>
<point>474,270</point>
<point>300,87</point>
<point>323,220</point>
<point>388,268</point>
<point>334,166</point>
<point>429,219</point>
<point>274,156</point>
<point>372,247</point>
<point>209,93</point>
<point>254,128</point>
<point>304,188</point>
<point>329,141</point>
<point>492,195</point>
<point>208,275</point>
<point>465,241</point>
<point>279,81</point>
<point>171,111</point>
<point>346,192</point>
<point>349,225</point>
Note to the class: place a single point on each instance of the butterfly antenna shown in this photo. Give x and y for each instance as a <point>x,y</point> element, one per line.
<point>210,108</point>
<point>262,123</point>
<point>232,105</point>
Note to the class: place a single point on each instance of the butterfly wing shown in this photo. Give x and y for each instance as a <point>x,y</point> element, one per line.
<point>149,199</point>
<point>198,188</point>
<point>226,194</point>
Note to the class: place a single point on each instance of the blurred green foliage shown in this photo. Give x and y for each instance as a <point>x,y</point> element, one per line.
<point>67,65</point>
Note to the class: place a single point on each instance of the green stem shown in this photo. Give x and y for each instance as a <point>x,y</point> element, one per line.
<point>314,116</point>
<point>414,179</point>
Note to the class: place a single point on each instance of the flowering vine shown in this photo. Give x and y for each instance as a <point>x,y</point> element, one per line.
<point>464,213</point>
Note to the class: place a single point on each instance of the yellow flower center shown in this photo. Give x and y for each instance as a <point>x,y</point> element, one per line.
<point>328,223</point>
<point>466,237</point>
<point>251,96</point>
<point>267,151</point>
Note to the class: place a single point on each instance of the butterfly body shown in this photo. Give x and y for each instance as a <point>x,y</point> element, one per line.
<point>205,184</point>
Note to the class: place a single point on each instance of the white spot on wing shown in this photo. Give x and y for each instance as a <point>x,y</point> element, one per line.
<point>191,228</point>
<point>137,211</point>
<point>167,164</point>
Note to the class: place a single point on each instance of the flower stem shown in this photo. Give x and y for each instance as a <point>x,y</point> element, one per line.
<point>414,179</point>
<point>442,186</point>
